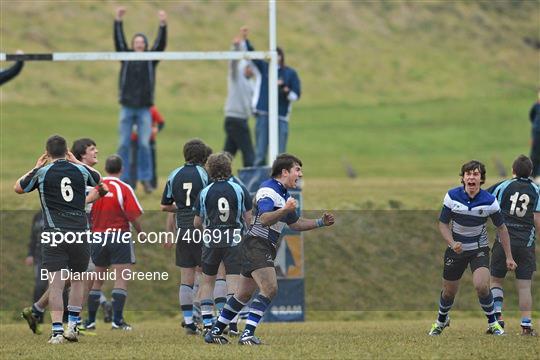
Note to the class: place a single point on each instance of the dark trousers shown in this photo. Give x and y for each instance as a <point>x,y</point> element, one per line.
<point>133,171</point>
<point>535,153</point>
<point>239,137</point>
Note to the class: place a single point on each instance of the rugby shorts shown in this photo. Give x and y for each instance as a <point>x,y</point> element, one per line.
<point>257,253</point>
<point>455,264</point>
<point>525,258</point>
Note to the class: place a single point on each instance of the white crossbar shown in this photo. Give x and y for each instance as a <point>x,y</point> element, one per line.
<point>147,55</point>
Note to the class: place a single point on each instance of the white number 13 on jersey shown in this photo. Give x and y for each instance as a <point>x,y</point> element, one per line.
<point>521,210</point>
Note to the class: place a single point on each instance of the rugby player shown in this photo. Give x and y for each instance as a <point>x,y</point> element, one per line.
<point>111,216</point>
<point>61,185</point>
<point>84,150</point>
<point>520,205</point>
<point>462,224</point>
<point>181,191</point>
<point>221,206</point>
<point>274,208</point>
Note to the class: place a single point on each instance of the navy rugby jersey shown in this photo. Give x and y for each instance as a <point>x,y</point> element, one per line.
<point>62,192</point>
<point>182,188</point>
<point>271,196</point>
<point>519,199</point>
<point>221,206</point>
<point>468,216</point>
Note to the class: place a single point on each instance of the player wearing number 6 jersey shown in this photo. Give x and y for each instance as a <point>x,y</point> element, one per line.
<point>221,207</point>
<point>181,190</point>
<point>520,205</point>
<point>62,189</point>
<point>273,209</point>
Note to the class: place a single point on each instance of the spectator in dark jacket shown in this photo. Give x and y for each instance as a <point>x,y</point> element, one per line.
<point>136,95</point>
<point>289,90</point>
<point>534,116</point>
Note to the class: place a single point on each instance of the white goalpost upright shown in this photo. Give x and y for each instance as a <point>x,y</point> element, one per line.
<point>270,55</point>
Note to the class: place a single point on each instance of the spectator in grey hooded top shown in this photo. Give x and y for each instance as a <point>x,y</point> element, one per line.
<point>238,104</point>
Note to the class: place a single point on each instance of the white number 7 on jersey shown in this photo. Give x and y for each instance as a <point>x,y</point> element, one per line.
<point>188,187</point>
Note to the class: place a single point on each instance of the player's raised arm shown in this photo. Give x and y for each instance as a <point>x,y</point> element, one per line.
<point>26,182</point>
<point>326,219</point>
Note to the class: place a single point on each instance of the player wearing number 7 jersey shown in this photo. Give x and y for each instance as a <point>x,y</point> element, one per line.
<point>520,205</point>
<point>62,189</point>
<point>181,190</point>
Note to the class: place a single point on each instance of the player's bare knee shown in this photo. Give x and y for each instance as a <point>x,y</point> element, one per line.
<point>269,290</point>
<point>482,289</point>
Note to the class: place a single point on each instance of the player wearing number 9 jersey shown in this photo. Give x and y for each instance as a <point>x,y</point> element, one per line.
<point>222,207</point>
<point>520,205</point>
<point>62,186</point>
<point>181,190</point>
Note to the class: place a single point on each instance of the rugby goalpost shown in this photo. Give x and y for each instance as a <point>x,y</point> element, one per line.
<point>289,305</point>
<point>270,55</point>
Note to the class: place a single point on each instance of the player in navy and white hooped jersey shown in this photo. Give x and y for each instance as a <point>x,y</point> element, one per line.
<point>221,207</point>
<point>62,189</point>
<point>274,208</point>
<point>111,217</point>
<point>520,204</point>
<point>181,191</point>
<point>462,223</point>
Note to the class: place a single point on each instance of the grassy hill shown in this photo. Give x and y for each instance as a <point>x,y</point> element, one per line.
<point>403,92</point>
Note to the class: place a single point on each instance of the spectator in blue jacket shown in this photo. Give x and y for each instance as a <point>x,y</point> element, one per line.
<point>534,116</point>
<point>288,92</point>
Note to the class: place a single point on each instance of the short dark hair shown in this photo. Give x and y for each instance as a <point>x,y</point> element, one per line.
<point>522,166</point>
<point>80,145</point>
<point>471,166</point>
<point>113,164</point>
<point>284,162</point>
<point>219,166</point>
<point>56,146</point>
<point>195,151</point>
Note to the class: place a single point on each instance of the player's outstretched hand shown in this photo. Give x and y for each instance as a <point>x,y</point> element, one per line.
<point>328,219</point>
<point>162,15</point>
<point>120,11</point>
<point>291,204</point>
<point>511,264</point>
<point>457,247</point>
<point>42,160</point>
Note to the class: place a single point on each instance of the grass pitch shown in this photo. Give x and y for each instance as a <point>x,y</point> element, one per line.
<point>314,340</point>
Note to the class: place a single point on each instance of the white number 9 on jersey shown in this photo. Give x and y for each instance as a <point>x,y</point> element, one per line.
<point>223,206</point>
<point>66,189</point>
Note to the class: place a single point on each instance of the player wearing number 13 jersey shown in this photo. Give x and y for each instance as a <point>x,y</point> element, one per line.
<point>520,205</point>
<point>181,191</point>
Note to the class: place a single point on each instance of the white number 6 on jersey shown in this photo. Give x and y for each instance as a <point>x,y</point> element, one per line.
<point>66,189</point>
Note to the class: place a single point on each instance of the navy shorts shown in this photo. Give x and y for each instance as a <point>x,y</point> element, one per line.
<point>117,250</point>
<point>524,257</point>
